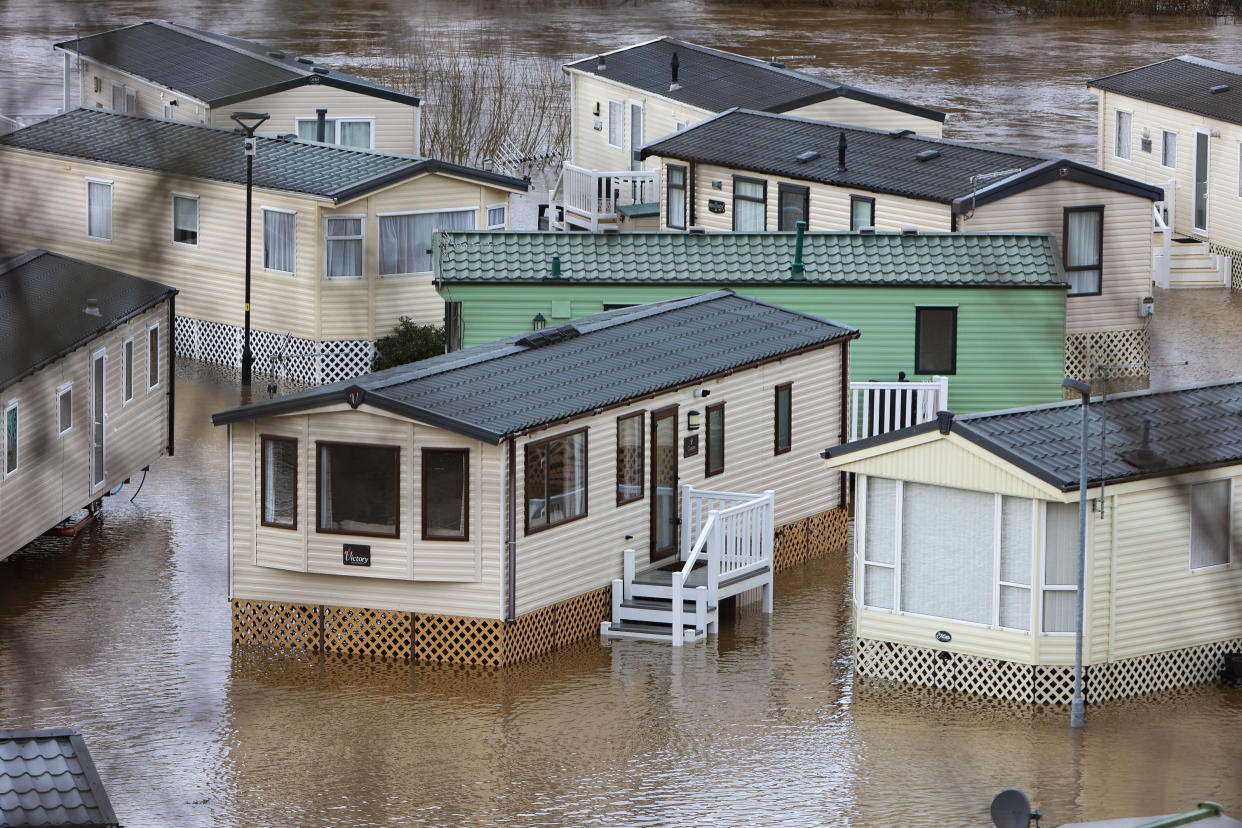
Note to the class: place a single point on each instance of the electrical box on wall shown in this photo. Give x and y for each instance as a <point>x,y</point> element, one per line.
<point>1147,306</point>
<point>598,126</point>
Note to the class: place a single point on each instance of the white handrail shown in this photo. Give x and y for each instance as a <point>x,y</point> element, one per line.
<point>1163,263</point>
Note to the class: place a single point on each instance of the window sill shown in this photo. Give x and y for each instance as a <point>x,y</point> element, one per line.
<point>357,534</point>
<point>1076,295</point>
<point>185,244</point>
<point>400,275</point>
<point>344,278</point>
<point>1213,568</point>
<point>282,272</point>
<point>267,525</point>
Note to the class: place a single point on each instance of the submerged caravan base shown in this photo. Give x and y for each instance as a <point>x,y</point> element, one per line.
<point>475,507</point>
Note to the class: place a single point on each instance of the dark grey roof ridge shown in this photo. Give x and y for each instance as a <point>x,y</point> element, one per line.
<point>209,37</point>
<point>1198,61</point>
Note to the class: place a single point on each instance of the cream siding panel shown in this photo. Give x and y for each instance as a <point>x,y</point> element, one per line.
<point>276,547</point>
<point>829,206</point>
<point>396,124</point>
<point>1126,253</point>
<point>151,98</point>
<point>862,114</point>
<point>967,638</point>
<point>586,554</point>
<point>52,480</point>
<point>589,147</point>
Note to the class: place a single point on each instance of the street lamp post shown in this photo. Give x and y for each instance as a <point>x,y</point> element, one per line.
<point>1076,704</point>
<point>249,122</point>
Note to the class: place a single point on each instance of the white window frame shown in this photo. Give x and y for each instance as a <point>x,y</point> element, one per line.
<point>361,236</point>
<point>1129,145</point>
<point>486,216</point>
<point>12,405</point>
<point>61,391</point>
<point>127,92</point>
<point>127,371</point>
<point>198,219</point>
<point>1164,138</point>
<point>1043,554</point>
<point>154,326</point>
<point>378,240</point>
<point>263,238</point>
<point>97,355</point>
<point>111,205</point>
<point>1191,541</point>
<point>336,128</point>
<point>620,121</point>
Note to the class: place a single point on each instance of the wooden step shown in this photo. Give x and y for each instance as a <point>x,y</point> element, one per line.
<point>645,631</point>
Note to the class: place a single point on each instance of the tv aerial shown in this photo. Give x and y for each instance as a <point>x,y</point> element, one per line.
<point>1011,809</point>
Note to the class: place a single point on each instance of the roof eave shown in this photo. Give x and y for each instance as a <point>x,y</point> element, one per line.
<point>1055,170</point>
<point>318,80</point>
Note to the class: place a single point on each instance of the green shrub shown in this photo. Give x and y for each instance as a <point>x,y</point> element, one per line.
<point>407,343</point>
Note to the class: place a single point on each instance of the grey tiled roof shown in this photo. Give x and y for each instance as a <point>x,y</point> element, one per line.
<point>506,387</point>
<point>1183,83</point>
<point>1145,434</point>
<point>215,69</point>
<point>338,173</point>
<point>715,80</point>
<point>47,778</point>
<point>42,299</point>
<point>926,259</point>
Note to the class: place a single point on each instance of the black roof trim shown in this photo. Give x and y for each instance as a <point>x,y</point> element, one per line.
<point>833,452</point>
<point>1054,170</point>
<point>333,81</point>
<point>856,94</point>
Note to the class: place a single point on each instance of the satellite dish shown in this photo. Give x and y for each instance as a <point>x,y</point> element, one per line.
<point>1011,809</point>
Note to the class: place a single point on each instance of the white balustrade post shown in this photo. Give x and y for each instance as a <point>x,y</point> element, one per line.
<point>678,635</point>
<point>769,525</point>
<point>687,523</point>
<point>942,395</point>
<point>627,571</point>
<point>700,609</point>
<point>713,556</point>
<point>618,592</point>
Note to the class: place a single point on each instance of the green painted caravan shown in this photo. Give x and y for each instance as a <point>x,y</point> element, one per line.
<point>998,298</point>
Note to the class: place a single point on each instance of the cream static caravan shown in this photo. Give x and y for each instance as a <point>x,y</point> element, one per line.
<point>626,98</point>
<point>476,506</point>
<point>340,237</point>
<point>86,387</point>
<point>966,546</point>
<point>1178,124</point>
<point>163,70</point>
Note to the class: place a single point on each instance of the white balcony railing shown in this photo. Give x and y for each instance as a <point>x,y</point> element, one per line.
<point>595,196</point>
<point>879,407</point>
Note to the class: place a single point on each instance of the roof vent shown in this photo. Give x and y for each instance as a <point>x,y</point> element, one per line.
<point>900,133</point>
<point>601,65</point>
<point>549,336</point>
<point>307,61</point>
<point>277,55</point>
<point>320,70</point>
<point>1216,90</point>
<point>866,231</point>
<point>841,152</point>
<point>1143,457</point>
<point>909,231</point>
<point>809,155</point>
<point>674,64</point>
<point>944,421</point>
<point>927,155</point>
<point>92,307</point>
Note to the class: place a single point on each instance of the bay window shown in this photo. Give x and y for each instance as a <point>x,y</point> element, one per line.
<point>358,489</point>
<point>556,480</point>
<point>405,238</point>
<point>1060,578</point>
<point>279,482</point>
<point>343,245</point>
<point>446,494</point>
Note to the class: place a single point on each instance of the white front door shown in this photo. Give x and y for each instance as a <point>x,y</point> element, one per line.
<point>636,134</point>
<point>99,416</point>
<point>1199,183</point>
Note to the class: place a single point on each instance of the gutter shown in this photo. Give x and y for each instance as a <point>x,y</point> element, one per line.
<point>1204,811</point>
<point>172,369</point>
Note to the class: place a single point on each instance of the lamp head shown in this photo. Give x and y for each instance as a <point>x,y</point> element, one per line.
<point>1076,385</point>
<point>249,121</point>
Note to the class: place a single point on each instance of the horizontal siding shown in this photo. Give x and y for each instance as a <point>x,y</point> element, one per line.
<point>590,147</point>
<point>862,114</point>
<point>151,99</point>
<point>974,640</point>
<point>1126,252</point>
<point>948,462</point>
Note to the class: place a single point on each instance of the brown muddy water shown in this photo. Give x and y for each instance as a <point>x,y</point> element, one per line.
<point>124,632</point>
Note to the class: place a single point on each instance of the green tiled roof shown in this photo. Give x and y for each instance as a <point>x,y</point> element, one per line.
<point>926,259</point>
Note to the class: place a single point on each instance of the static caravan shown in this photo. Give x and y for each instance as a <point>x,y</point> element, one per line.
<point>754,171</point>
<point>339,237</point>
<point>1178,124</point>
<point>621,100</point>
<point>179,73</point>
<point>966,546</point>
<point>86,387</point>
<point>491,504</point>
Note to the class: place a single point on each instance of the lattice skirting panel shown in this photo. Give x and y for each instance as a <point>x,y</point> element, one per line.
<point>1041,683</point>
<point>388,634</point>
<point>811,537</point>
<point>1235,267</point>
<point>276,356</point>
<point>1127,354</point>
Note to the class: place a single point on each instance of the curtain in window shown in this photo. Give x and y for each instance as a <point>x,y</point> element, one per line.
<point>10,439</point>
<point>1168,149</point>
<point>862,213</point>
<point>495,218</point>
<point>445,484</point>
<point>344,253</point>
<point>1123,135</point>
<point>118,98</point>
<point>1209,524</point>
<point>749,207</point>
<point>405,240</point>
<point>947,553</point>
<point>185,220</point>
<point>1015,563</point>
<point>629,458</point>
<point>676,197</point>
<point>616,123</point>
<point>1082,250</point>
<point>1061,567</point>
<point>278,240</point>
<point>356,134</point>
<point>99,210</point>
<point>879,545</point>
<point>279,481</point>
<point>307,130</point>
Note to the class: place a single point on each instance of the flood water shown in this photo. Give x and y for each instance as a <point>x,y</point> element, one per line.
<point>124,632</point>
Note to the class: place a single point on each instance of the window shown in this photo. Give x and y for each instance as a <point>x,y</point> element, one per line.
<point>405,239</point>
<point>127,372</point>
<point>99,209</point>
<point>935,340</point>
<point>783,439</point>
<point>10,438</point>
<point>1211,524</point>
<point>794,205</point>
<point>496,217</point>
<point>1121,140</point>
<point>750,204</point>
<point>342,257</point>
<point>616,124</point>
<point>862,212</point>
<point>358,489</point>
<point>1084,245</point>
<point>1168,149</point>
<point>279,240</point>
<point>630,458</point>
<point>64,407</point>
<point>556,480</point>
<point>676,208</point>
<point>185,219</point>
<point>446,494</point>
<point>715,454</point>
<point>153,356</point>
<point>356,133</point>
<point>279,482</point>
<point>1060,580</point>
<point>124,98</point>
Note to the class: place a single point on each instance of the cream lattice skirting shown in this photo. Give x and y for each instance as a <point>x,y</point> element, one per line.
<point>1126,353</point>
<point>1235,267</point>
<point>1038,684</point>
<point>305,362</point>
